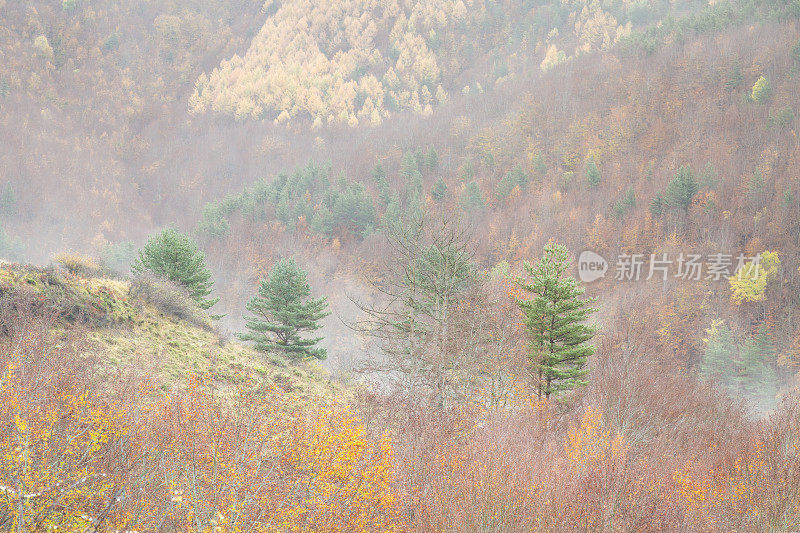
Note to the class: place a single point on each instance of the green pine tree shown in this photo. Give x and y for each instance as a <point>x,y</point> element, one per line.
<point>439,190</point>
<point>628,201</point>
<point>735,78</point>
<point>471,197</point>
<point>681,190</point>
<point>504,188</point>
<point>555,322</point>
<point>519,177</point>
<point>432,158</point>
<point>283,311</point>
<point>176,257</point>
<point>756,373</point>
<point>719,356</point>
<point>592,173</point>
<point>657,205</point>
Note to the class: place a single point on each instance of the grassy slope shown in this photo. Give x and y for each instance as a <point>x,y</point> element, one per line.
<point>126,332</point>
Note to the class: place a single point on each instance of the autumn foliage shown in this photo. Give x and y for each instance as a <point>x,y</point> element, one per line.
<point>78,456</point>
<point>689,125</point>
<point>84,447</point>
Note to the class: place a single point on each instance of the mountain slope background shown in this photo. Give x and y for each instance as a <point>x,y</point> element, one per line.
<point>307,129</point>
<point>145,115</point>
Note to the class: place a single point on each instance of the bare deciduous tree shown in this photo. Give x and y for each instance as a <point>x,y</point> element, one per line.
<point>430,319</point>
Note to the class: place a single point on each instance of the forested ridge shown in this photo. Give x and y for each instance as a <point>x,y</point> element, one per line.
<point>317,266</point>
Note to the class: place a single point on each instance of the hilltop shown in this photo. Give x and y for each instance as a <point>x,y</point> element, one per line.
<point>123,409</point>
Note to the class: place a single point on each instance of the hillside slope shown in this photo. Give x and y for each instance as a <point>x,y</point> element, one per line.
<point>101,99</point>
<point>141,330</point>
<point>520,177</point>
<point>512,158</point>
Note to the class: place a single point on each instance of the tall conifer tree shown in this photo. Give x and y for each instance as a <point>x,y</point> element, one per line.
<point>555,319</point>
<point>283,311</point>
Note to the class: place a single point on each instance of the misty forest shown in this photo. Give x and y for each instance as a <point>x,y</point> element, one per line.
<point>399,265</point>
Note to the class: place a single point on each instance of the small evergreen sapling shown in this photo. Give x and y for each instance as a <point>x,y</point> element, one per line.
<point>592,173</point>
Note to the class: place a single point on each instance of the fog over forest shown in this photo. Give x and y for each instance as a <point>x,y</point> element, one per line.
<point>361,265</point>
